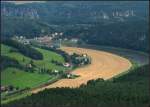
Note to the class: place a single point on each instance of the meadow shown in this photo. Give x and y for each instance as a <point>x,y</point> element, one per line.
<point>23,79</point>
<point>48,56</point>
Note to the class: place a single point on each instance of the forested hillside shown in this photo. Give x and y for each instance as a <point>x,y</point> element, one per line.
<point>29,28</point>
<point>130,90</point>
<point>115,23</point>
<point>129,34</point>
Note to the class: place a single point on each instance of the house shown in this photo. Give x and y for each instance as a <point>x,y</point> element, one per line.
<point>68,75</point>
<point>29,65</point>
<point>66,64</point>
<point>56,71</point>
<point>3,88</point>
<point>84,55</point>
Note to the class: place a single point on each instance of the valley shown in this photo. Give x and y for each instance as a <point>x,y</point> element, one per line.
<point>75,54</point>
<point>106,63</point>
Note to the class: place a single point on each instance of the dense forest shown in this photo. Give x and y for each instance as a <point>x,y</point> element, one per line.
<point>129,34</point>
<point>29,28</point>
<point>130,90</point>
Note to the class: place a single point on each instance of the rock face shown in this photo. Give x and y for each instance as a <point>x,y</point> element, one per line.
<point>20,12</point>
<point>74,12</point>
<point>32,13</point>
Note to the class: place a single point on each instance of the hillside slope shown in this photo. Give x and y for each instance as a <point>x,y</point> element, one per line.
<point>21,72</point>
<point>130,90</point>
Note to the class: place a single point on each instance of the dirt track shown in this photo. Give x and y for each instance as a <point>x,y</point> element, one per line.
<point>104,65</point>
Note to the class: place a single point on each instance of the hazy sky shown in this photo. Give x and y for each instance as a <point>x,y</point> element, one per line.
<point>107,2</point>
<point>22,2</point>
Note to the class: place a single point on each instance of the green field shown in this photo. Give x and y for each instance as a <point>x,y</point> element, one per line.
<point>48,56</point>
<point>46,62</point>
<point>22,79</point>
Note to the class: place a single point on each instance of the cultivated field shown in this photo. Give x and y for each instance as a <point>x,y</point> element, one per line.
<point>139,57</point>
<point>104,65</point>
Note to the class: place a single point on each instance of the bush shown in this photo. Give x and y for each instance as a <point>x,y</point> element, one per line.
<point>9,62</point>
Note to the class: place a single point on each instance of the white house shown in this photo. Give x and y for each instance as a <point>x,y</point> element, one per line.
<point>68,75</point>
<point>67,64</point>
<point>56,71</point>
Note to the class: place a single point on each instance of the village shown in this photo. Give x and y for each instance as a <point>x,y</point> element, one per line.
<point>51,40</point>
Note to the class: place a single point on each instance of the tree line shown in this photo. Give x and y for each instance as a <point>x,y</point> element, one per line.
<point>26,50</point>
<point>9,62</point>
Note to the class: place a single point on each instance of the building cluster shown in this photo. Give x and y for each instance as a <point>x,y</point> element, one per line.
<point>44,39</point>
<point>22,39</point>
<point>48,40</point>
